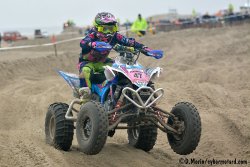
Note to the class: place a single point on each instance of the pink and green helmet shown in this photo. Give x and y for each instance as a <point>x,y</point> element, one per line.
<point>105,18</point>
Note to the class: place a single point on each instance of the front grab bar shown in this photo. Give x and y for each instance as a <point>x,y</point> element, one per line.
<point>155,96</point>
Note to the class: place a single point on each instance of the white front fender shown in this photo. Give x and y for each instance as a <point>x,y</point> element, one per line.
<point>109,73</point>
<point>154,72</point>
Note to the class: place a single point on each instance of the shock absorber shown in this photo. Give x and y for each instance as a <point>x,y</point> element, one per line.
<point>120,102</point>
<point>117,92</point>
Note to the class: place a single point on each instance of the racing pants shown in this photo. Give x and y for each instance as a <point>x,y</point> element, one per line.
<point>86,68</point>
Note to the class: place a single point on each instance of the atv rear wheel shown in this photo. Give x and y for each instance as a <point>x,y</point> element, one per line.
<point>58,131</point>
<point>186,142</point>
<point>92,128</point>
<point>143,137</point>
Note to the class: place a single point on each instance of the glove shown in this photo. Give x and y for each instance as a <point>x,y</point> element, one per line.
<point>92,44</point>
<point>145,50</point>
<point>118,48</point>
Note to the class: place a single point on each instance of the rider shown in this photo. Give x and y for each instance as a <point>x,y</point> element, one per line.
<point>105,30</point>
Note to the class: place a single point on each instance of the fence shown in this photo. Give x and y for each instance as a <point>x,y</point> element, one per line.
<point>212,22</point>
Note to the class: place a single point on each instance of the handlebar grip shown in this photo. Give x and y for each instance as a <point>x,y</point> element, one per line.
<point>130,49</point>
<point>121,48</point>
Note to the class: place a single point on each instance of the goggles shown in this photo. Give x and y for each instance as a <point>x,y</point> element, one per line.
<point>107,29</point>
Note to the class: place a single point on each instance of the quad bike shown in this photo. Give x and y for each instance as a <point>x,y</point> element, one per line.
<point>123,97</point>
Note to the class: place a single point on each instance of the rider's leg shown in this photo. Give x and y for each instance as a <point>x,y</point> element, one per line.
<point>92,67</point>
<point>81,76</point>
<point>86,72</point>
<point>85,69</point>
<point>99,66</point>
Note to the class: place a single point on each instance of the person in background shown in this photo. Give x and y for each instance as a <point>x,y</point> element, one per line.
<point>230,9</point>
<point>87,30</point>
<point>105,29</point>
<point>80,31</point>
<point>151,24</point>
<point>140,26</point>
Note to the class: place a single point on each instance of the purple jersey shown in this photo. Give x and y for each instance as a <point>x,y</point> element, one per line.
<point>89,54</point>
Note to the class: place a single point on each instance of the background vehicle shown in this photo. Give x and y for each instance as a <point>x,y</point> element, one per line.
<point>39,34</point>
<point>125,95</point>
<point>13,36</point>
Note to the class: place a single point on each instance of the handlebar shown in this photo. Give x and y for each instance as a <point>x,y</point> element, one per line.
<point>103,46</point>
<point>125,49</point>
<point>128,53</point>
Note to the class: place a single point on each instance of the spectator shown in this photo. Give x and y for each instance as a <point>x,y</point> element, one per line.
<point>140,26</point>
<point>151,25</point>
<point>80,31</point>
<point>194,14</point>
<point>230,9</point>
<point>87,30</point>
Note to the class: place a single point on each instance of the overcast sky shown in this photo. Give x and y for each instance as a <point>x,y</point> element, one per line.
<point>49,13</point>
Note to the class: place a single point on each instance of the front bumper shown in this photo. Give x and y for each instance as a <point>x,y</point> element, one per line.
<point>154,96</point>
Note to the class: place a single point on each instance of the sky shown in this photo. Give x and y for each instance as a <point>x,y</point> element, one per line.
<point>25,14</point>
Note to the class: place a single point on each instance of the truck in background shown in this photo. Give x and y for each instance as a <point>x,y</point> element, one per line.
<point>39,34</point>
<point>13,36</point>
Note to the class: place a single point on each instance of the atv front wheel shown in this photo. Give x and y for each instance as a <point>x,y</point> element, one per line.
<point>58,131</point>
<point>92,128</point>
<point>143,137</point>
<point>186,142</point>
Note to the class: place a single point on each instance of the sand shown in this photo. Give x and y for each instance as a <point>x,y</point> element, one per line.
<point>208,67</point>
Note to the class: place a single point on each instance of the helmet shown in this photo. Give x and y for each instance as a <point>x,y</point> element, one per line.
<point>105,23</point>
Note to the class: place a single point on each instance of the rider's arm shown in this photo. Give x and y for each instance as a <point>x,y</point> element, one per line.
<point>122,40</point>
<point>84,44</point>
